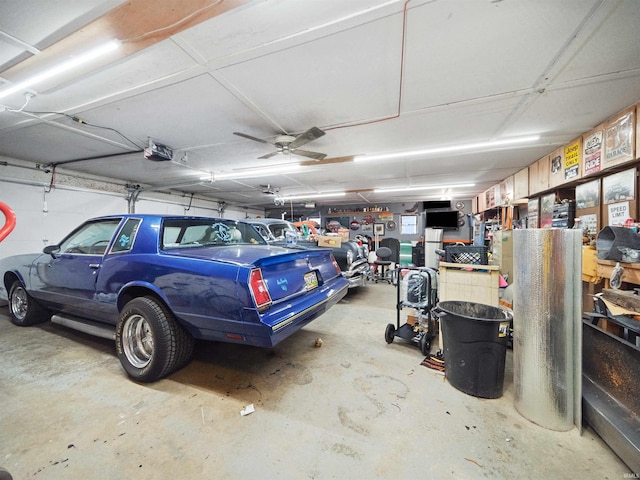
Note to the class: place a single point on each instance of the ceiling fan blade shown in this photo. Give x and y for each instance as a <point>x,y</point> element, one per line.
<point>324,161</point>
<point>305,153</point>
<point>306,137</point>
<point>268,155</point>
<point>256,139</point>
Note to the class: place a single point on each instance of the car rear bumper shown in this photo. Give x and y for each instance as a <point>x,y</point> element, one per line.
<point>359,280</point>
<point>280,321</point>
<point>357,274</point>
<point>300,319</point>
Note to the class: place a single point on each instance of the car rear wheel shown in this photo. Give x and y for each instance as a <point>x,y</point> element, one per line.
<point>23,308</point>
<point>150,342</point>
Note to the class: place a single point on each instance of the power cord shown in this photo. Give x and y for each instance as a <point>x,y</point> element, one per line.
<point>81,121</point>
<point>27,96</point>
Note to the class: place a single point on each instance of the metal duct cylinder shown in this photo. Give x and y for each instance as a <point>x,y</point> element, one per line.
<point>547,308</point>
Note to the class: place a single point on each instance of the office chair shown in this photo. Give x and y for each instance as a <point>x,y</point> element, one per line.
<point>382,263</point>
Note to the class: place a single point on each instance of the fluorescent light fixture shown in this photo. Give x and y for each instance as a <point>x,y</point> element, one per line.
<point>257,172</point>
<point>314,195</point>
<point>63,67</point>
<point>424,187</point>
<point>450,149</point>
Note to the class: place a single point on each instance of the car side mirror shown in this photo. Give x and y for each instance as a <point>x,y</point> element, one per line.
<point>51,250</point>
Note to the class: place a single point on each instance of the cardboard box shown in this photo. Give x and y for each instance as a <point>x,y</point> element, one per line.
<point>343,233</point>
<point>412,319</point>
<point>329,241</point>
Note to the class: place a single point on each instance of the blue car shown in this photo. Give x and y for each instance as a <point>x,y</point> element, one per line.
<point>154,284</point>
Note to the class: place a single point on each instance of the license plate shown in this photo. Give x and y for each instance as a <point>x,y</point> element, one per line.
<point>310,280</point>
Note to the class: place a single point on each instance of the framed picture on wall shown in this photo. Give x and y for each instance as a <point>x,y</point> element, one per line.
<point>588,195</point>
<point>378,229</point>
<point>619,186</point>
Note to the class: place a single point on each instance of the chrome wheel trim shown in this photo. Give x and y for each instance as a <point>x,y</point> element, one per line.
<point>19,303</point>
<point>137,341</point>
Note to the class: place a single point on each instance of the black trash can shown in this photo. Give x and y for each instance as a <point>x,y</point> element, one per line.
<point>475,346</point>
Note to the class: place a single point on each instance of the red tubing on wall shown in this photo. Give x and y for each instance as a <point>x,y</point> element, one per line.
<point>10,221</point>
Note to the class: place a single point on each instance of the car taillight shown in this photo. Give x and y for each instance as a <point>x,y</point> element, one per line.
<point>335,264</point>
<point>259,290</point>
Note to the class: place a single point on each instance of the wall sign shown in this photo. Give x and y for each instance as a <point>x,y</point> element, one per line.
<point>572,160</point>
<point>618,213</point>
<point>592,152</point>
<point>619,140</point>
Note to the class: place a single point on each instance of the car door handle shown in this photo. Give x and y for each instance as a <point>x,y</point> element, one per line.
<point>94,265</point>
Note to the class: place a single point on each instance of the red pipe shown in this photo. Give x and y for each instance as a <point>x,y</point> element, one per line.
<point>10,221</point>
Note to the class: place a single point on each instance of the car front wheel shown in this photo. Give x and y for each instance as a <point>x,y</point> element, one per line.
<point>150,342</point>
<point>23,308</point>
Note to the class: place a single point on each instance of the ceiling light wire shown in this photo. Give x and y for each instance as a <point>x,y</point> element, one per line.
<point>83,122</point>
<point>27,98</point>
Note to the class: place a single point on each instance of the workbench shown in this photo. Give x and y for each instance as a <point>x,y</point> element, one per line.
<point>631,272</point>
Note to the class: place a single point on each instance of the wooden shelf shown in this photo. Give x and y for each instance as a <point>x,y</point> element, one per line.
<point>337,214</point>
<point>631,273</point>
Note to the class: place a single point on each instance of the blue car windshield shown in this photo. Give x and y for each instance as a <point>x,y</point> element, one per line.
<point>198,232</point>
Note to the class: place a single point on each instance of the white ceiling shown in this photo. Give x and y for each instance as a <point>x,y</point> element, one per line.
<point>470,71</point>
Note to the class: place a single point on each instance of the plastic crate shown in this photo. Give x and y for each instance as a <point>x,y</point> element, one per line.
<point>466,254</point>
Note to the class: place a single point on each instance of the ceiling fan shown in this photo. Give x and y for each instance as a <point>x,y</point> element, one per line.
<point>268,190</point>
<point>289,144</point>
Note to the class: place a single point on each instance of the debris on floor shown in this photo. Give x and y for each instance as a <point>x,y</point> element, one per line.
<point>247,410</point>
<point>434,363</point>
<point>319,342</point>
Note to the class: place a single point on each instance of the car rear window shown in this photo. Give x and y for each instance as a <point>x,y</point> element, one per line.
<point>199,232</point>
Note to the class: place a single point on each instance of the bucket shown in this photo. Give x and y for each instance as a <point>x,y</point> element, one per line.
<point>475,340</point>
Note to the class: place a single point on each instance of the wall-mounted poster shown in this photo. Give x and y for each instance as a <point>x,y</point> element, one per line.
<point>589,223</point>
<point>506,191</point>
<point>532,213</point>
<point>619,140</point>
<point>490,196</point>
<point>572,154</point>
<point>333,224</point>
<point>619,186</point>
<point>618,213</point>
<point>556,168</point>
<point>592,151</point>
<point>546,210</point>
<point>588,195</point>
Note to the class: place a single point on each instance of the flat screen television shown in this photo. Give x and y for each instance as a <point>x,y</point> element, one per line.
<point>442,219</point>
<point>436,204</point>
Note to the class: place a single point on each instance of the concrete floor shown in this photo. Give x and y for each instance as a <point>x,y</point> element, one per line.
<point>354,408</point>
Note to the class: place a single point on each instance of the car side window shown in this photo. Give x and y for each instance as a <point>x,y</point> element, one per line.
<point>91,238</point>
<point>263,231</point>
<point>126,236</point>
